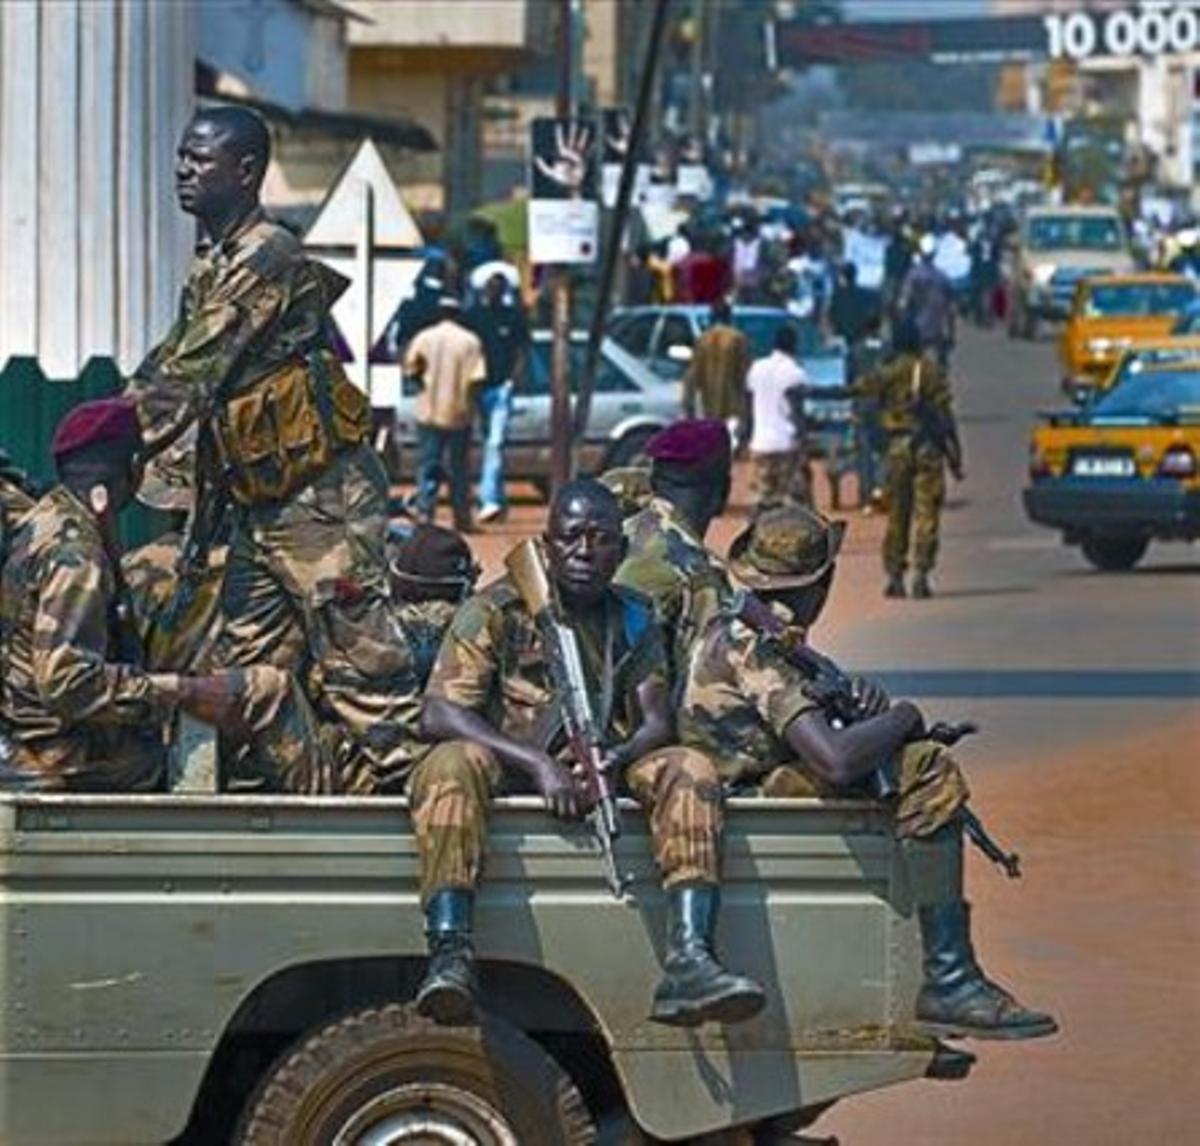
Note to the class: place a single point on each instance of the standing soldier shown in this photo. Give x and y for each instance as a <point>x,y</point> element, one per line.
<point>487,704</point>
<point>666,560</point>
<point>76,701</point>
<point>912,395</point>
<point>284,433</point>
<point>749,707</point>
<point>717,371</point>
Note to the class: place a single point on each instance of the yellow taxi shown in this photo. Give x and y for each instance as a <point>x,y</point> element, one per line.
<point>1122,471</point>
<point>1142,352</point>
<point>1109,314</point>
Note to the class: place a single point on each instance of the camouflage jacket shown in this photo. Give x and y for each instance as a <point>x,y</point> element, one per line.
<point>425,625</point>
<point>898,389</point>
<point>685,582</point>
<point>67,647</point>
<point>741,694</point>
<point>250,304</point>
<point>492,661</point>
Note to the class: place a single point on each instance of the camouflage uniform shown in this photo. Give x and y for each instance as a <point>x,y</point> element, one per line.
<point>740,697</point>
<point>916,470</point>
<point>492,663</point>
<point>307,582</point>
<point>668,564</point>
<point>80,709</point>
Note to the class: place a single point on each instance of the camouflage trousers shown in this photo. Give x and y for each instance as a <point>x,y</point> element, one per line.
<point>451,790</point>
<point>779,479</point>
<point>307,589</point>
<point>916,489</point>
<point>932,788</point>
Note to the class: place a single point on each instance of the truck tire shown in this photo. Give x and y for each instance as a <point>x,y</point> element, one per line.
<point>388,1075</point>
<point>1115,554</point>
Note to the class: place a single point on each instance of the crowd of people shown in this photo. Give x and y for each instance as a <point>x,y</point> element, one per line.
<point>336,657</point>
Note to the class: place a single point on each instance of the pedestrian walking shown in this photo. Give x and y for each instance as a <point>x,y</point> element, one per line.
<point>447,360</point>
<point>781,470</point>
<point>717,373</point>
<point>499,322</point>
<point>927,301</point>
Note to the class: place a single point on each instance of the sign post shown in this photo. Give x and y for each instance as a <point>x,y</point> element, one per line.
<point>365,232</point>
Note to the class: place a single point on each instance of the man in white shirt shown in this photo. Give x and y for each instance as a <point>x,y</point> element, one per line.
<point>781,470</point>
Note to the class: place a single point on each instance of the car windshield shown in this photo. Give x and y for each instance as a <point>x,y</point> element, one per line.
<point>1071,232</point>
<point>1135,362</point>
<point>761,330</point>
<point>1189,322</point>
<point>1138,300</point>
<point>1151,395</point>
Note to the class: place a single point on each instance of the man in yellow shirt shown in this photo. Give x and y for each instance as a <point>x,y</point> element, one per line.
<point>717,373</point>
<point>448,362</point>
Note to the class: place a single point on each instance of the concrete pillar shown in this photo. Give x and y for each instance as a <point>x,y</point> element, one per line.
<point>93,95</point>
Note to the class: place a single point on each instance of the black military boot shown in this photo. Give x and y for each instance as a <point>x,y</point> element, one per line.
<point>695,987</point>
<point>921,590</point>
<point>895,586</point>
<point>957,999</point>
<point>448,993</point>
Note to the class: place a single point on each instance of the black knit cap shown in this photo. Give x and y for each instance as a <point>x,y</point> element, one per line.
<point>432,558</point>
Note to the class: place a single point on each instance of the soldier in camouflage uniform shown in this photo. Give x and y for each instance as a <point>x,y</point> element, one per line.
<point>78,706</point>
<point>247,363</point>
<point>490,704</point>
<point>912,395</point>
<point>749,707</point>
<point>666,560</point>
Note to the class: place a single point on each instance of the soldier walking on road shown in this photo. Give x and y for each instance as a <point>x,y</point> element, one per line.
<point>750,708</point>
<point>285,435</point>
<point>491,705</point>
<point>912,395</point>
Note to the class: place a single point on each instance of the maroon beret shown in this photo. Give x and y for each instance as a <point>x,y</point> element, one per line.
<point>94,423</point>
<point>691,442</point>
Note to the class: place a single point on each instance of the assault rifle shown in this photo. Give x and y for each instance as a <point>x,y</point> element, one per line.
<point>835,692</point>
<point>938,430</point>
<point>527,567</point>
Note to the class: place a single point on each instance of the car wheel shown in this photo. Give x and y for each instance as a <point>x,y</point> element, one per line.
<point>1114,554</point>
<point>388,1075</point>
<point>630,448</point>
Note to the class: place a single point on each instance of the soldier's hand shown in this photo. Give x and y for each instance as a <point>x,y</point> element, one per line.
<point>214,699</point>
<point>959,473</point>
<point>950,733</point>
<point>559,789</point>
<point>916,720</point>
<point>870,696</point>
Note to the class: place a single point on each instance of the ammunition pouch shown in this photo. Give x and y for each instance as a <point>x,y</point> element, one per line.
<point>283,432</point>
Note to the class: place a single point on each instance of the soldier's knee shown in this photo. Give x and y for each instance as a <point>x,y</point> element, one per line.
<point>457,763</point>
<point>688,774</point>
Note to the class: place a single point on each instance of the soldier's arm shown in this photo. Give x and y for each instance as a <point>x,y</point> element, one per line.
<point>179,382</point>
<point>457,694</point>
<point>73,677</point>
<point>842,756</point>
<point>652,704</point>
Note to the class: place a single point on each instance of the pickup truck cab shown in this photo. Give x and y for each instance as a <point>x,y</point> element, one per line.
<point>201,969</point>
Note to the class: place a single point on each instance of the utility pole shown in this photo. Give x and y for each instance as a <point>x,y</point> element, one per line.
<point>696,82</point>
<point>560,377</point>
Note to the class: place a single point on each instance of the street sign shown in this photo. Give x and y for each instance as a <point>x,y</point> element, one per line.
<point>564,216</point>
<point>365,232</point>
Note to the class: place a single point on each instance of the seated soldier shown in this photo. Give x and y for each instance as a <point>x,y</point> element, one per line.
<point>79,709</point>
<point>432,573</point>
<point>487,703</point>
<point>748,707</point>
<point>666,560</point>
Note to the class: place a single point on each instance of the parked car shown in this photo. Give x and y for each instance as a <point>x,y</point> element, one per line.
<point>1054,249</point>
<point>663,338</point>
<point>1123,471</point>
<point>1150,351</point>
<point>630,403</point>
<point>1109,314</point>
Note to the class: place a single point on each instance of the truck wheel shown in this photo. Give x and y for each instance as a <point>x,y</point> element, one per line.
<point>1114,554</point>
<point>385,1076</point>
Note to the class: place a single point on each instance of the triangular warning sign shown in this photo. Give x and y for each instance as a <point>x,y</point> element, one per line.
<point>339,222</point>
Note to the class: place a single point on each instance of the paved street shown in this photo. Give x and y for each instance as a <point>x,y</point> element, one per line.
<point>1087,691</point>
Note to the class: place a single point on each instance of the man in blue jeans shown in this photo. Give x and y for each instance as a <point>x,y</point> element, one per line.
<point>501,327</point>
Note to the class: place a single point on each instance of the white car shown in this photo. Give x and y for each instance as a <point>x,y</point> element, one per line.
<point>630,404</point>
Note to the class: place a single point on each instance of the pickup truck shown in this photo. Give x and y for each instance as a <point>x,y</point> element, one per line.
<point>208,969</point>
